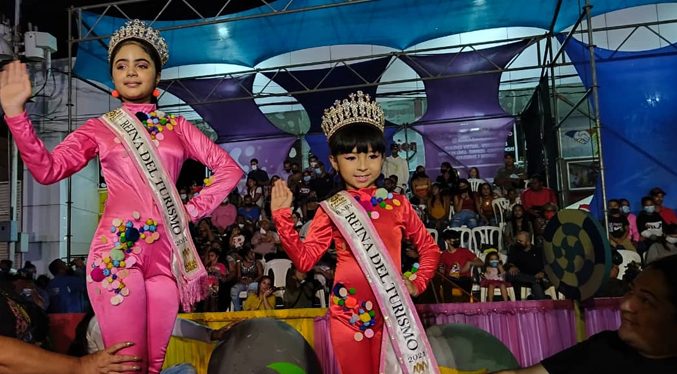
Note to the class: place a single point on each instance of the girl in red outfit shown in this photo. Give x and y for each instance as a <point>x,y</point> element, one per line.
<point>374,326</point>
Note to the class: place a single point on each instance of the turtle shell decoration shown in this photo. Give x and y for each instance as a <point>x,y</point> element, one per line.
<point>576,254</point>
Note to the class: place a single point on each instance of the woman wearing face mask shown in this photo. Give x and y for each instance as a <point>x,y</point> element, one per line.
<point>465,207</point>
<point>619,227</point>
<point>665,247</point>
<point>448,179</point>
<point>632,219</point>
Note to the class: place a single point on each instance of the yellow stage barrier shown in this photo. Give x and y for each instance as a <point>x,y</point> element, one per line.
<point>198,353</point>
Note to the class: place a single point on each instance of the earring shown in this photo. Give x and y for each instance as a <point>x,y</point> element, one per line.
<point>115,94</point>
<point>156,92</point>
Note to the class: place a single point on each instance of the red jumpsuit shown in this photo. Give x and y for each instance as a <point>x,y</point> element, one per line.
<point>359,357</point>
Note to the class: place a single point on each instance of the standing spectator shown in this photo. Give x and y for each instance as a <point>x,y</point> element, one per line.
<point>5,268</point>
<point>323,183</point>
<point>665,246</point>
<point>265,240</point>
<point>509,176</point>
<point>457,261</point>
<point>668,214</point>
<point>464,206</point>
<point>224,216</point>
<point>619,227</point>
<point>536,196</point>
<point>517,224</point>
<point>249,273</point>
<point>258,174</point>
<point>255,192</point>
<point>263,299</point>
<point>287,171</point>
<point>312,163</point>
<point>632,219</point>
<point>525,267</point>
<point>64,290</point>
<point>448,179</point>
<point>303,190</point>
<point>295,178</point>
<point>649,223</point>
<point>249,211</point>
<point>396,165</point>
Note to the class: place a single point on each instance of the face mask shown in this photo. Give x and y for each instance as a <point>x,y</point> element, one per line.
<point>671,240</point>
<point>493,263</point>
<point>625,209</point>
<point>518,247</point>
<point>313,164</point>
<point>454,244</point>
<point>444,170</point>
<point>306,178</point>
<point>649,209</point>
<point>549,215</point>
<point>318,171</point>
<point>287,170</point>
<point>248,205</point>
<point>241,225</point>
<point>614,211</point>
<point>184,196</point>
<point>465,189</point>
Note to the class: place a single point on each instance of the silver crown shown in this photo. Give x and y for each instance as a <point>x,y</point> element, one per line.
<point>136,29</point>
<point>359,109</point>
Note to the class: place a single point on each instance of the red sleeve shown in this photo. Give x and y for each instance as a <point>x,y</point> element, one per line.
<point>428,251</point>
<point>304,254</point>
<point>553,197</point>
<point>227,173</point>
<point>67,158</point>
<point>469,255</point>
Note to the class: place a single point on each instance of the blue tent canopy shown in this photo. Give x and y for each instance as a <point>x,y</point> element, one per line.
<point>398,24</point>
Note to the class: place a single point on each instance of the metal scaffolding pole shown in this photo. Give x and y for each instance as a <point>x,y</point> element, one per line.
<point>69,104</point>
<point>596,112</point>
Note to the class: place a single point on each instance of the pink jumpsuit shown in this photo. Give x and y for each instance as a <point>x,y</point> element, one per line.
<point>392,223</point>
<point>147,312</point>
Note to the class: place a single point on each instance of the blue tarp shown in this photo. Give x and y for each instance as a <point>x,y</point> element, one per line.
<point>399,24</point>
<point>638,108</point>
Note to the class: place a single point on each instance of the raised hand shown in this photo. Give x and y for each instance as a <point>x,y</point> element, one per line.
<point>15,88</point>
<point>281,196</point>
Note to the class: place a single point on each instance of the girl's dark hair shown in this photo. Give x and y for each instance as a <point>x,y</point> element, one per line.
<point>476,169</point>
<point>448,165</point>
<point>244,251</point>
<point>78,347</point>
<point>513,220</point>
<point>261,281</point>
<point>149,49</point>
<point>438,197</point>
<point>359,136</point>
<point>666,266</point>
<point>482,187</point>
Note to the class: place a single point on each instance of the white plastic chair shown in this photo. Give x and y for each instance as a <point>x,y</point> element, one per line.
<point>500,206</point>
<point>475,183</point>
<point>497,292</point>
<point>467,240</point>
<point>434,234</point>
<point>490,235</point>
<point>628,257</point>
<point>279,267</point>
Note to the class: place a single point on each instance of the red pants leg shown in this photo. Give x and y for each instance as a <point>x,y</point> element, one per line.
<point>162,306</point>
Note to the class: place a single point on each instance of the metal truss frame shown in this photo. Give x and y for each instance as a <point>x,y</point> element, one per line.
<point>549,60</point>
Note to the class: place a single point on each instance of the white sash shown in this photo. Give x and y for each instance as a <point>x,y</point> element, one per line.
<point>187,267</point>
<point>405,348</point>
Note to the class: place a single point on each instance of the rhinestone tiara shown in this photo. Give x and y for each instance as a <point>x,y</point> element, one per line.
<point>357,109</point>
<point>136,29</point>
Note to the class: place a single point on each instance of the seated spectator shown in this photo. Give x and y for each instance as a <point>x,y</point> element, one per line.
<point>509,176</point>
<point>257,174</point>
<point>464,206</point>
<point>65,291</point>
<point>183,194</point>
<point>263,299</point>
<point>298,222</point>
<point>549,211</point>
<point>438,208</point>
<point>389,185</point>
<point>250,211</point>
<point>525,267</point>
<point>286,173</point>
<point>249,273</point>
<point>666,213</point>
<point>255,192</point>
<point>484,205</point>
<point>614,287</point>
<point>645,341</point>
<point>265,240</point>
<point>457,261</point>
<point>323,184</point>
<point>420,186</point>
<point>632,219</point>
<point>649,224</point>
<point>448,179</point>
<point>619,227</point>
<point>224,216</point>
<point>517,224</point>
<point>236,240</point>
<point>312,163</point>
<point>300,289</point>
<point>399,187</point>
<point>205,235</point>
<point>536,196</point>
<point>235,198</point>
<point>217,273</point>
<point>310,207</point>
<point>513,198</point>
<point>493,275</point>
<point>474,173</point>
<point>665,246</point>
<point>295,178</point>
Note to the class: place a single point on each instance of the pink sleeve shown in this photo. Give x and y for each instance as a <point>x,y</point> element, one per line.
<point>428,250</point>
<point>67,158</point>
<point>304,254</point>
<point>227,173</point>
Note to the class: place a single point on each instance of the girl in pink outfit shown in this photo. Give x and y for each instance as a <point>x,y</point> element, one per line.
<point>136,276</point>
